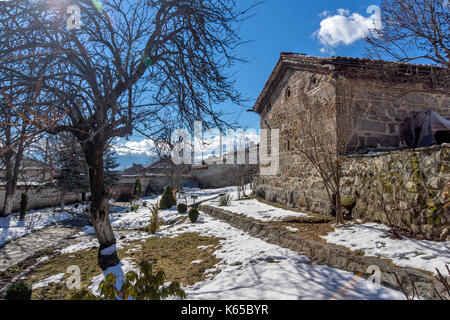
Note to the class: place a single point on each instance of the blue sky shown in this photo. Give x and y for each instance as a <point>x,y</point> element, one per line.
<point>281,26</point>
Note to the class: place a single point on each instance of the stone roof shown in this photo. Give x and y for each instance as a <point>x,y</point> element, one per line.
<point>392,71</point>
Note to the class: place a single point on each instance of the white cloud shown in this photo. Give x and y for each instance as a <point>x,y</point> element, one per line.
<point>143,147</point>
<point>209,147</point>
<point>345,28</point>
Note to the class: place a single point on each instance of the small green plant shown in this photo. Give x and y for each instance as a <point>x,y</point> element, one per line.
<point>182,208</point>
<point>23,206</point>
<point>167,200</point>
<point>154,221</point>
<point>194,197</point>
<point>225,200</point>
<point>18,290</point>
<point>144,286</point>
<point>134,208</point>
<point>193,215</point>
<point>137,190</point>
<point>127,211</point>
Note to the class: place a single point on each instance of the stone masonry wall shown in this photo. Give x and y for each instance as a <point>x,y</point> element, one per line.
<point>296,183</point>
<point>378,122</point>
<point>381,109</point>
<point>408,189</point>
<point>40,197</point>
<point>334,256</point>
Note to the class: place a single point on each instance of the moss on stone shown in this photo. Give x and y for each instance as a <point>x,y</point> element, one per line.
<point>348,202</point>
<point>433,220</point>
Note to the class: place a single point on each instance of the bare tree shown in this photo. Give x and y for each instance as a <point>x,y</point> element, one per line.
<point>412,30</point>
<point>323,132</point>
<point>132,64</point>
<point>178,173</point>
<point>16,137</point>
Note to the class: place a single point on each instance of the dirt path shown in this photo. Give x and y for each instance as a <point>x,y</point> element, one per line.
<point>20,249</point>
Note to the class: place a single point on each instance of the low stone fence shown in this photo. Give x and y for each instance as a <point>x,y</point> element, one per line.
<point>332,255</point>
<point>40,197</point>
<point>407,189</point>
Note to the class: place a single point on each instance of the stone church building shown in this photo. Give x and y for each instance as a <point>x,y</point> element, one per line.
<point>389,104</point>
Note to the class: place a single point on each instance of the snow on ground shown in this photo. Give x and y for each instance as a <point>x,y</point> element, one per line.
<point>11,227</point>
<point>119,272</point>
<point>251,208</point>
<point>373,239</point>
<point>249,267</point>
<point>205,194</point>
<point>44,283</point>
<point>257,210</point>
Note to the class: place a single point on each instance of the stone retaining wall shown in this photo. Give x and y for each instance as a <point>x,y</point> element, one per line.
<point>409,189</point>
<point>331,255</point>
<point>40,197</point>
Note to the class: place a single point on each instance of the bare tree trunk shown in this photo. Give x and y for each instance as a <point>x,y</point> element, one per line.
<point>99,206</point>
<point>7,207</point>
<point>12,166</point>
<point>339,213</point>
<point>62,199</point>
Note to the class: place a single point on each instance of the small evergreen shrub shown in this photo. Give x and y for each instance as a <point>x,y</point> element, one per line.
<point>154,221</point>
<point>137,190</point>
<point>134,208</point>
<point>127,211</point>
<point>144,286</point>
<point>18,290</point>
<point>23,205</point>
<point>167,200</point>
<point>144,204</point>
<point>193,215</point>
<point>225,200</point>
<point>182,208</point>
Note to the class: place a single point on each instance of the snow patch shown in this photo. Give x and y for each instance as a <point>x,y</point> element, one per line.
<point>373,239</point>
<point>12,228</point>
<point>108,251</point>
<point>44,283</point>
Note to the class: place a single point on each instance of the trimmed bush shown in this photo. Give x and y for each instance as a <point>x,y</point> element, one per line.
<point>193,215</point>
<point>182,208</point>
<point>18,290</point>
<point>167,199</point>
<point>23,205</point>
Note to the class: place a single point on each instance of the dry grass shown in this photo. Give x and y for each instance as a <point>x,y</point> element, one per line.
<point>308,230</point>
<point>173,255</point>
